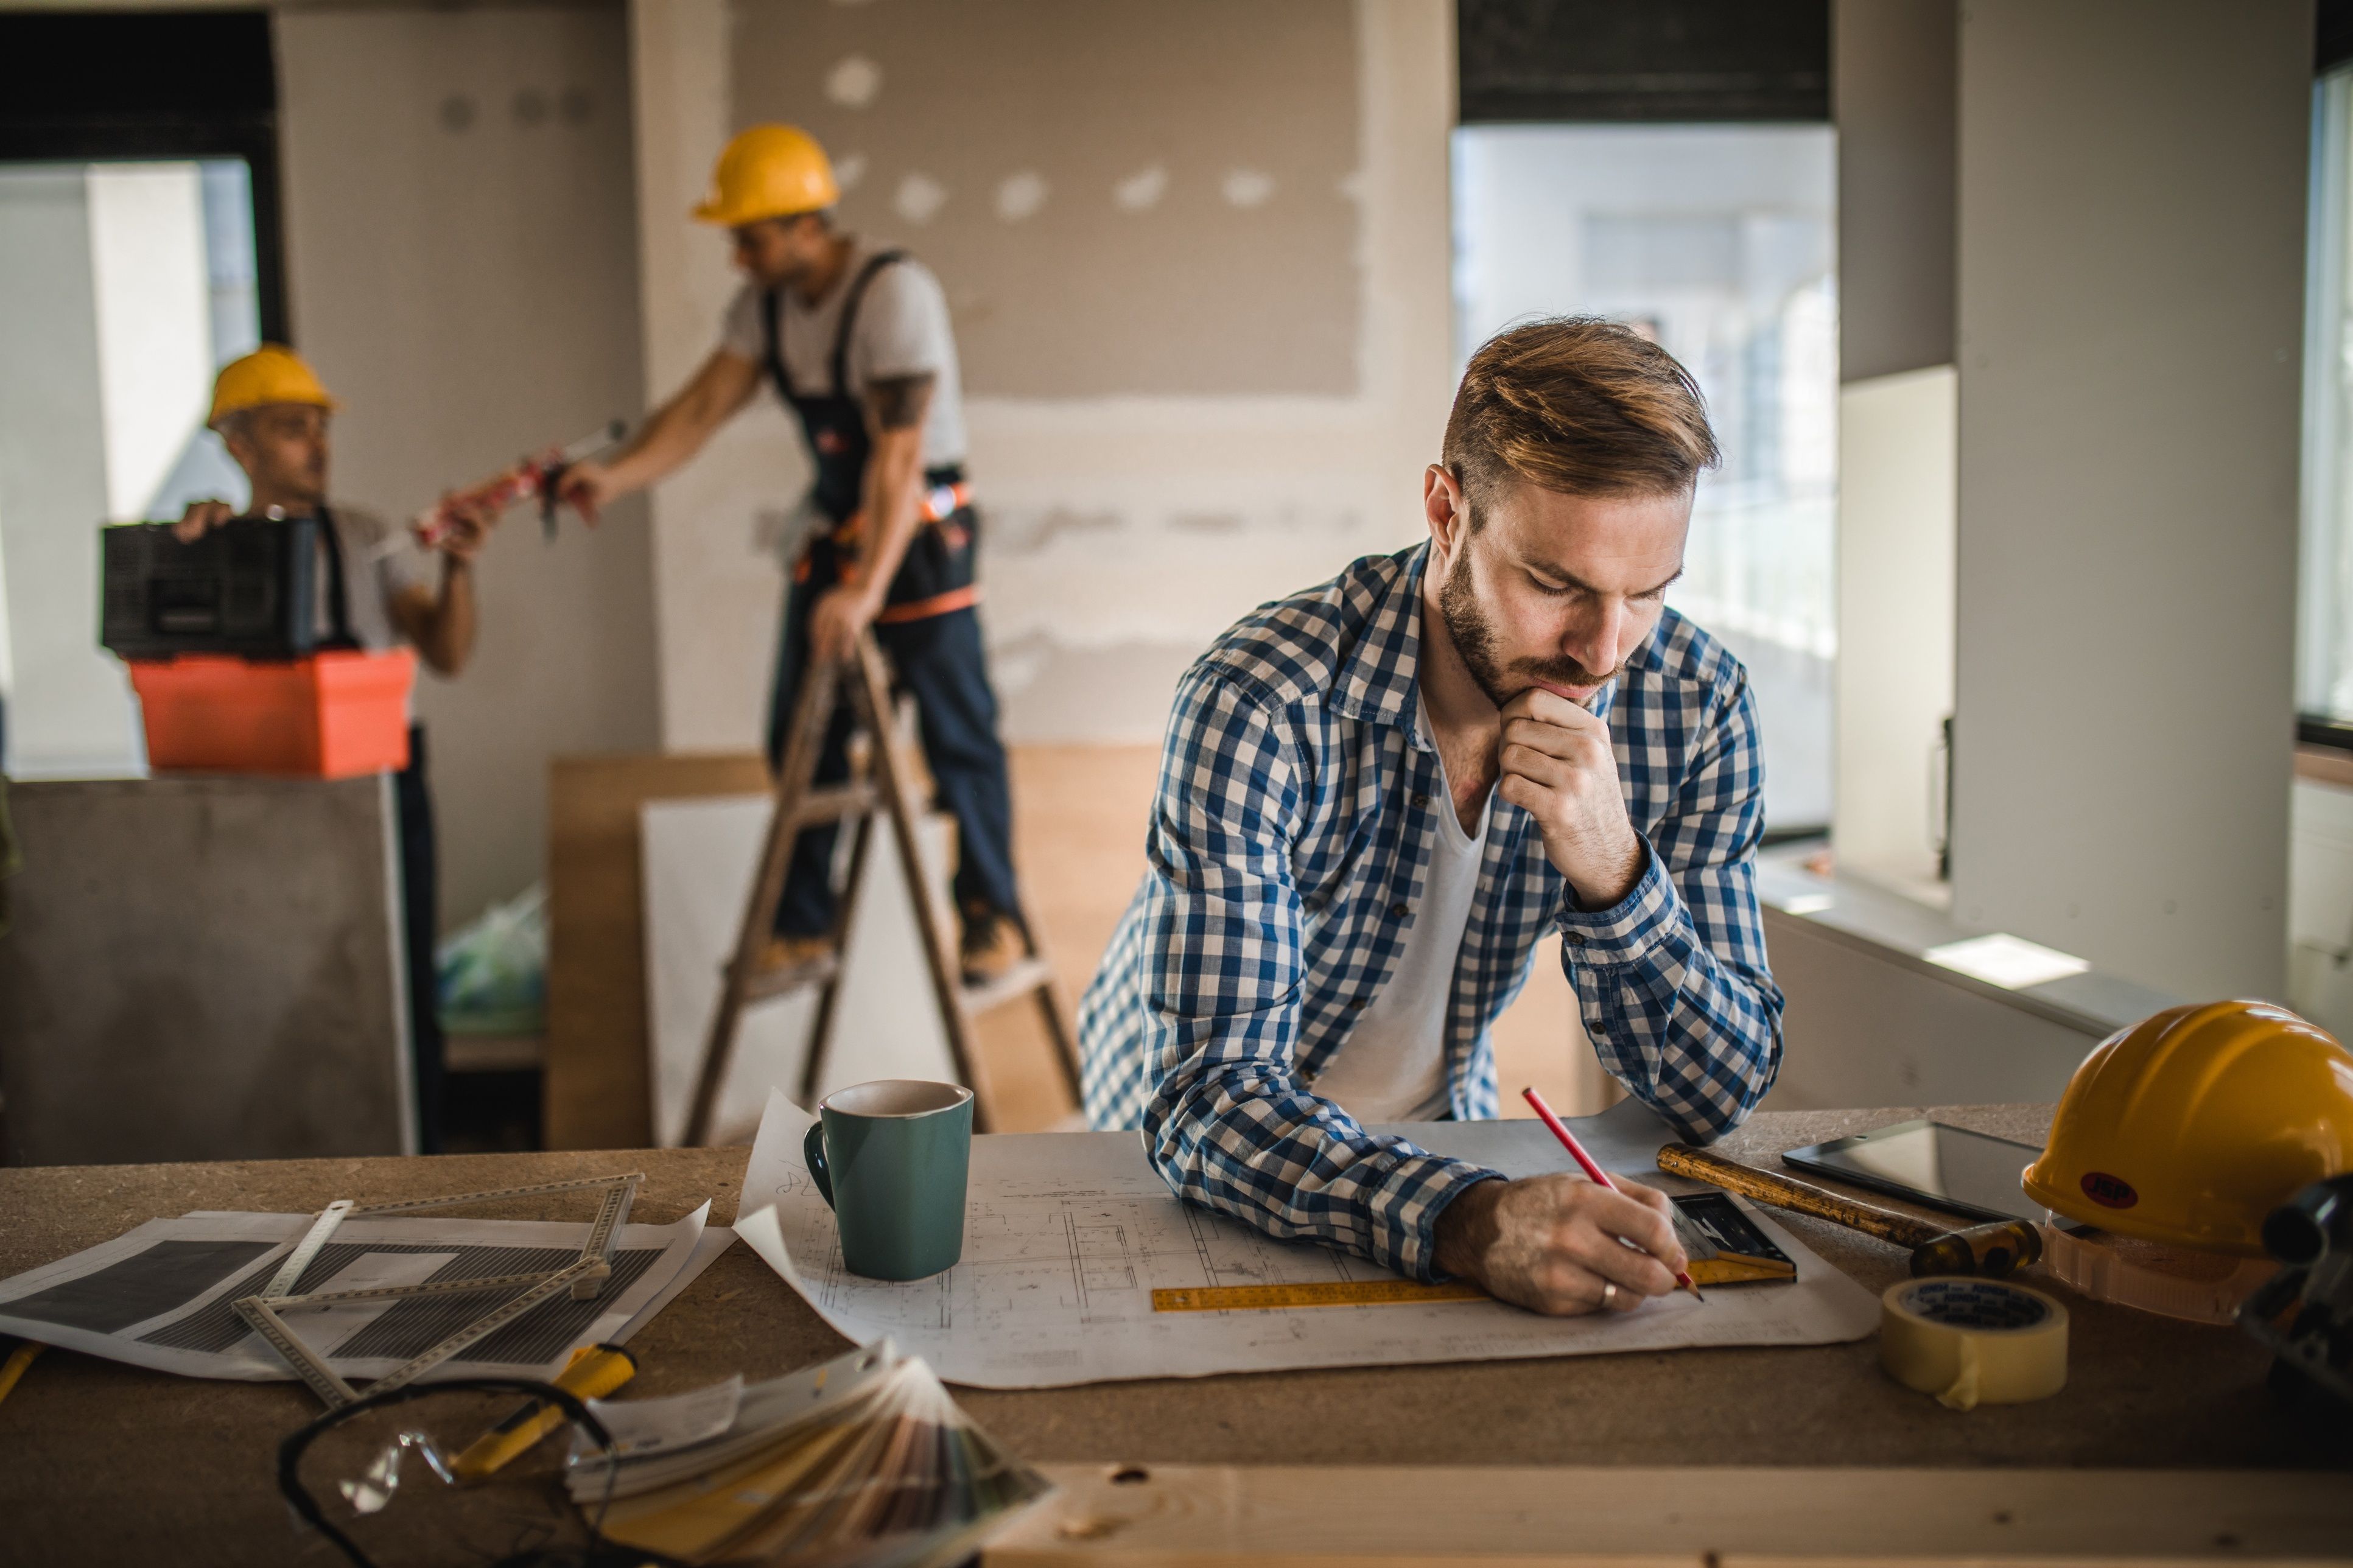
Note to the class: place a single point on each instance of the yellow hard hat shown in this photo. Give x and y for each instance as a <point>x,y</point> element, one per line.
<point>769,171</point>
<point>2194,1123</point>
<point>270,373</point>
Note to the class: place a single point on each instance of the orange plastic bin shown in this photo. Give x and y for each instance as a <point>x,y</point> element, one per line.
<point>329,716</point>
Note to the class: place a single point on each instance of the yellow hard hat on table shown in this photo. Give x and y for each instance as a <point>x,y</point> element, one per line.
<point>270,373</point>
<point>769,171</point>
<point>2192,1125</point>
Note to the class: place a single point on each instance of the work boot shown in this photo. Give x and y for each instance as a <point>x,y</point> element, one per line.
<point>993,943</point>
<point>792,952</point>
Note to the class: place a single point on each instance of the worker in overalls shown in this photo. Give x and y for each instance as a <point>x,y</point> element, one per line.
<point>856,340</point>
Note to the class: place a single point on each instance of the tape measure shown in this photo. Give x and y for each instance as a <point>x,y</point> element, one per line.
<point>1973,1342</point>
<point>1324,1293</point>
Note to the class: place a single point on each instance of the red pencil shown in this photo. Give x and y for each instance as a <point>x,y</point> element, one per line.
<point>1585,1162</point>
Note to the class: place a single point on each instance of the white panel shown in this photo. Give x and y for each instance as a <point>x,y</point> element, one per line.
<point>698,857</point>
<point>154,321</point>
<point>2132,200</point>
<point>1895,620</point>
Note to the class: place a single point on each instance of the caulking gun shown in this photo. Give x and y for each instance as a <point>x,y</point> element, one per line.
<point>536,477</point>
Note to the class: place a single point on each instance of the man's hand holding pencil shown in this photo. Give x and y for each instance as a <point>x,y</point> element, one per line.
<point>1564,1245</point>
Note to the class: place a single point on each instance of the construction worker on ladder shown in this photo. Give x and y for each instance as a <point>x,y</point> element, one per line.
<point>857,342</point>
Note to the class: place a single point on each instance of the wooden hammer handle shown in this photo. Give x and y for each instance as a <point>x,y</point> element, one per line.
<point>1789,1193</point>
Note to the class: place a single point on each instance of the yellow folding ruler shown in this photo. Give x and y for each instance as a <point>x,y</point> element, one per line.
<point>586,1277</point>
<point>1320,1293</point>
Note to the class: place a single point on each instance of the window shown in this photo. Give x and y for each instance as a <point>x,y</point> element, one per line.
<point>2324,612</point>
<point>138,252</point>
<point>1718,241</point>
<point>130,285</point>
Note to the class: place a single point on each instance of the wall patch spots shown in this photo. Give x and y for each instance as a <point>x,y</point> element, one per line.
<point>849,170</point>
<point>1247,187</point>
<point>1020,196</point>
<point>853,81</point>
<point>456,113</point>
<point>531,107</point>
<point>919,196</point>
<point>1142,191</point>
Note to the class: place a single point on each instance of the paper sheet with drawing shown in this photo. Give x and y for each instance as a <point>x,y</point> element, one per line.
<point>1067,1234</point>
<point>160,1296</point>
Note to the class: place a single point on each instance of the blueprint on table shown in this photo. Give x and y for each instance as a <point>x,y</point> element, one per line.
<point>1067,1234</point>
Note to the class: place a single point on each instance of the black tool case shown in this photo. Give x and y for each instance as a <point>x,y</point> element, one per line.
<point>247,587</point>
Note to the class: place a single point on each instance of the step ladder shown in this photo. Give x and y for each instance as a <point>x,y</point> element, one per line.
<point>878,786</point>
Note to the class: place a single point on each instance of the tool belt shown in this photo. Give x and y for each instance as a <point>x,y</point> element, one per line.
<point>935,577</point>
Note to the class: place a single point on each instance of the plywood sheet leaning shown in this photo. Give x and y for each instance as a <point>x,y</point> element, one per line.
<point>596,1092</point>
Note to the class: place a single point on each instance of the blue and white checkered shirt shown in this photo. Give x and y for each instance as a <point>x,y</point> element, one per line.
<point>1287,851</point>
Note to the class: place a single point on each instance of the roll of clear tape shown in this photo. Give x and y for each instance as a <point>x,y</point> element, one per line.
<point>1973,1342</point>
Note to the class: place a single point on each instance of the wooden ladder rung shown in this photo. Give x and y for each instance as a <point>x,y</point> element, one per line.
<point>833,805</point>
<point>1030,974</point>
<point>863,681</point>
<point>762,984</point>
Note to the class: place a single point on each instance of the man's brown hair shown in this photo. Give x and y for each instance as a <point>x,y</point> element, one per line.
<point>1580,405</point>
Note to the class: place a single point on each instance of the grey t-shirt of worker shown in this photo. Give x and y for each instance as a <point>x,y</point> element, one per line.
<point>902,329</point>
<point>381,561</point>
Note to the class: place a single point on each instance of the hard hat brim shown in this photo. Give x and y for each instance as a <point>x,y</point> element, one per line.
<point>323,401</point>
<point>737,218</point>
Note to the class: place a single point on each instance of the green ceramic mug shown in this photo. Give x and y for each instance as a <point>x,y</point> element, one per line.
<point>891,1156</point>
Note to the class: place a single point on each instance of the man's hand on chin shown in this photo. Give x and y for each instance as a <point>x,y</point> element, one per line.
<point>1551,1244</point>
<point>1557,764</point>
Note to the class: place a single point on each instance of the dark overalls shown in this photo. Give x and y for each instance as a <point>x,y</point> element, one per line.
<point>927,626</point>
<point>420,877</point>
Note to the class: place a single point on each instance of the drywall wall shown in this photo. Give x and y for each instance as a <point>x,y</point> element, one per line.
<point>461,242</point>
<point>1891,95</point>
<point>1125,198</point>
<point>2130,288</point>
<point>1895,688</point>
<point>1123,531</point>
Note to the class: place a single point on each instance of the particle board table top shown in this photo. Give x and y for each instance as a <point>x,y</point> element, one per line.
<point>106,1462</point>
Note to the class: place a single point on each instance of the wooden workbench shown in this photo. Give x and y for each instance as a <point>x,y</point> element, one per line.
<point>104,1463</point>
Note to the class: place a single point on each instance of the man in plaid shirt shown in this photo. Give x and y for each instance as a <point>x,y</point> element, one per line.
<point>1376,797</point>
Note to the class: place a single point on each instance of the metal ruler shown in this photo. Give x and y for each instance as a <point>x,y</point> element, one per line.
<point>1324,1293</point>
<point>328,1385</point>
<point>577,1184</point>
<point>324,1380</point>
<point>283,1282</point>
<point>586,1277</point>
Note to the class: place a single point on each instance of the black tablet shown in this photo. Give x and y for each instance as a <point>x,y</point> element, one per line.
<point>1948,1168</point>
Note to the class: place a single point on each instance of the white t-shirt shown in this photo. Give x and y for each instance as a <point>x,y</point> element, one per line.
<point>1392,1067</point>
<point>374,575</point>
<point>902,328</point>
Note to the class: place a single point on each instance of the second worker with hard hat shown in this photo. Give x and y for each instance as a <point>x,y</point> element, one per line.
<point>856,339</point>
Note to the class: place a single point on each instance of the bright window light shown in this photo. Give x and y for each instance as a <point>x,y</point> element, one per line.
<point>2009,961</point>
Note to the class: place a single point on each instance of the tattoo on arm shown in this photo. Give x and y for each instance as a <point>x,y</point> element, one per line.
<point>900,402</point>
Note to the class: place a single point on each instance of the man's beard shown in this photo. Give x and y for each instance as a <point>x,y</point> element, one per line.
<point>1475,640</point>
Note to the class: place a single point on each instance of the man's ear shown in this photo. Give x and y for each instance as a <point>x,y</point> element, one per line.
<point>1447,511</point>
